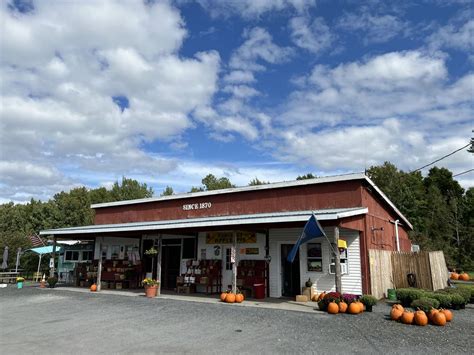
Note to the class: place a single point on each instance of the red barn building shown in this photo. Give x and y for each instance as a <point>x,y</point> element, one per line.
<point>266,220</point>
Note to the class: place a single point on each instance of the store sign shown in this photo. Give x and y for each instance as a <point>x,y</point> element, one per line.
<point>228,238</point>
<point>197,206</point>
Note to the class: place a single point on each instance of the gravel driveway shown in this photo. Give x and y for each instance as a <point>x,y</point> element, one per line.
<point>54,321</point>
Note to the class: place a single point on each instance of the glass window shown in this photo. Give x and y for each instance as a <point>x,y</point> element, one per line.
<point>87,255</point>
<point>315,257</point>
<point>228,264</point>
<point>71,255</point>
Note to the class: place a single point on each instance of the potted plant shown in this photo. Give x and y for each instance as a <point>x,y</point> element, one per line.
<point>151,287</point>
<point>19,282</point>
<point>52,281</point>
<point>369,301</point>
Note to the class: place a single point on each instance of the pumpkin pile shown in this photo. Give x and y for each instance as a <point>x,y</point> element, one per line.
<point>462,276</point>
<point>437,317</point>
<point>229,297</point>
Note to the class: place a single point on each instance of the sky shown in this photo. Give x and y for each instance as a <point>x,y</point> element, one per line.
<point>167,92</point>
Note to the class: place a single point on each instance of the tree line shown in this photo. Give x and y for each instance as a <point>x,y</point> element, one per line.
<point>441,211</point>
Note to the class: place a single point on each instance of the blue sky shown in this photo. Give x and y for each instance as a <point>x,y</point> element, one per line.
<point>169,91</point>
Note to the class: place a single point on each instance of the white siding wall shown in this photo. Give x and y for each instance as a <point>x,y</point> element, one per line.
<point>322,281</point>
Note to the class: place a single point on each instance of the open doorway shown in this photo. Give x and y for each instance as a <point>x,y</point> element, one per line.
<point>170,265</point>
<point>290,273</point>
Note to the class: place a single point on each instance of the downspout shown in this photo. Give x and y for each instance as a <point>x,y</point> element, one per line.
<point>396,234</point>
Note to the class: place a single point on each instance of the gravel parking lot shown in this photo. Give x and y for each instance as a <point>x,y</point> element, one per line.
<point>55,321</point>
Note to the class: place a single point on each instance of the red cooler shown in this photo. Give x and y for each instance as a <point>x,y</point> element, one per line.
<point>259,291</point>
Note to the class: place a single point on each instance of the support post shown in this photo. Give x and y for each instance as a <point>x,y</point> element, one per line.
<point>52,268</point>
<point>234,263</point>
<point>18,253</point>
<point>99,270</point>
<point>337,258</point>
<point>39,265</point>
<point>158,265</point>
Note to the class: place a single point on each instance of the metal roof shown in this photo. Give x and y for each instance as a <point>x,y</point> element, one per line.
<point>221,221</point>
<point>277,185</point>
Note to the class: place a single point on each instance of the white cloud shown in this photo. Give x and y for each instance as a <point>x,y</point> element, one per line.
<point>455,36</point>
<point>253,8</point>
<point>62,64</point>
<point>314,36</point>
<point>239,76</point>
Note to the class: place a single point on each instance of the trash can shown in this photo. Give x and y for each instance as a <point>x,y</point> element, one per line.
<point>392,294</point>
<point>259,291</point>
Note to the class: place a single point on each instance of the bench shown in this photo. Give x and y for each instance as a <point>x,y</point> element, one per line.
<point>8,277</point>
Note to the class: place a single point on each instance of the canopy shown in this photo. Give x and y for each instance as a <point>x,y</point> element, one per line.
<point>44,250</point>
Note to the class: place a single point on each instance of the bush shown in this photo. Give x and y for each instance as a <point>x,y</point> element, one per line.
<point>463,292</point>
<point>349,297</point>
<point>457,301</point>
<point>467,287</point>
<point>368,300</point>
<point>443,299</point>
<point>52,281</point>
<point>407,295</point>
<point>425,304</point>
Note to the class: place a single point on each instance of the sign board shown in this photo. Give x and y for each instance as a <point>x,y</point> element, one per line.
<point>51,262</point>
<point>227,238</point>
<point>197,206</point>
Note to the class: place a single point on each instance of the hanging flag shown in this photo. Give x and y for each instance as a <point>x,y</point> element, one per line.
<point>311,230</point>
<point>36,241</point>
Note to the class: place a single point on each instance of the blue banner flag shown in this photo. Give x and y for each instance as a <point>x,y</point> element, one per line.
<point>311,230</point>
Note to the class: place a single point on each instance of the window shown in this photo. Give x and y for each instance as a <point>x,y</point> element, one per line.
<point>228,264</point>
<point>71,255</point>
<point>87,255</point>
<point>344,264</point>
<point>315,257</point>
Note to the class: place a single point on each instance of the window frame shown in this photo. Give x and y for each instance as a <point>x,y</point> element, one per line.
<point>72,252</point>
<point>314,258</point>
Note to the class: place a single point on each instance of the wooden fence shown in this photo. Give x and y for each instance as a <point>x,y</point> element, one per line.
<point>389,269</point>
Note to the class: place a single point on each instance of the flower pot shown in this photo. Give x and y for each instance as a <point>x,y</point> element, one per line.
<point>368,308</point>
<point>19,284</point>
<point>456,307</point>
<point>151,291</point>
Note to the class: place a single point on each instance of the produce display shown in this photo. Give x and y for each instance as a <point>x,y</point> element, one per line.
<point>229,297</point>
<point>437,317</point>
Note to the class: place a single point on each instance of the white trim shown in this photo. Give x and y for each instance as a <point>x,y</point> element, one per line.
<point>263,218</point>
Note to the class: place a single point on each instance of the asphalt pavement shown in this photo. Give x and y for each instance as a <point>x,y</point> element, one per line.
<point>39,321</point>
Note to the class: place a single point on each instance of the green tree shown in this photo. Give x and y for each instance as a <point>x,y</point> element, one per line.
<point>196,189</point>
<point>213,183</point>
<point>130,189</point>
<point>306,176</point>
<point>168,191</point>
<point>256,181</point>
<point>100,195</point>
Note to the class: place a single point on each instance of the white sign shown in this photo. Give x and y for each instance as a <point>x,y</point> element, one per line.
<point>51,262</point>
<point>197,206</point>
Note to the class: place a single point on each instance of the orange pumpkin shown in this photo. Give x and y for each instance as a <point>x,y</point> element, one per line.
<point>407,317</point>
<point>230,298</point>
<point>398,306</point>
<point>315,298</point>
<point>353,308</point>
<point>396,314</point>
<point>361,306</point>
<point>342,307</point>
<point>94,288</point>
<point>448,314</point>
<point>464,277</point>
<point>239,298</point>
<point>223,296</point>
<point>333,308</point>
<point>432,313</point>
<point>454,276</point>
<point>439,319</point>
<point>421,318</point>
<point>321,296</point>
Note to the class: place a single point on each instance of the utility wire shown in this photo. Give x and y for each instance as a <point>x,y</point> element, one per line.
<point>464,172</point>
<point>443,157</point>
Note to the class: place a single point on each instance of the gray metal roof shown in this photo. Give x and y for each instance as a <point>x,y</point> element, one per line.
<point>221,221</point>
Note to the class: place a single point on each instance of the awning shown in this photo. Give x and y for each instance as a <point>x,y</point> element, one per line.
<point>44,250</point>
<point>221,221</point>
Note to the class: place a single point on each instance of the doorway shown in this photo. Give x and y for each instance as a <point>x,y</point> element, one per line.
<point>170,266</point>
<point>290,273</point>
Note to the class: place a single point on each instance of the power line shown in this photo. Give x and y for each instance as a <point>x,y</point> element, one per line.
<point>464,172</point>
<point>443,157</point>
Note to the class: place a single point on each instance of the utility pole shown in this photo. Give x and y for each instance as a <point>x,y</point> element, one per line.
<point>337,258</point>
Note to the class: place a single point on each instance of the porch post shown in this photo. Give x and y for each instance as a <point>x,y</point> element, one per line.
<point>53,256</point>
<point>337,258</point>
<point>158,265</point>
<point>39,264</point>
<point>234,262</point>
<point>99,269</point>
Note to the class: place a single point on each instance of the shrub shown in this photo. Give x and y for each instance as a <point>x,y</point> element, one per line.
<point>457,301</point>
<point>443,299</point>
<point>368,300</point>
<point>52,281</point>
<point>467,287</point>
<point>463,292</point>
<point>408,295</point>
<point>349,297</point>
<point>425,304</point>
